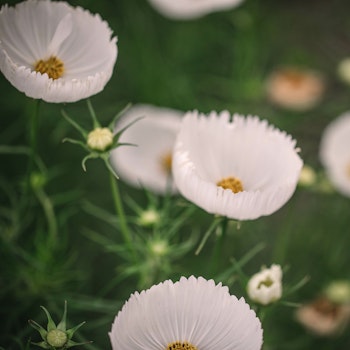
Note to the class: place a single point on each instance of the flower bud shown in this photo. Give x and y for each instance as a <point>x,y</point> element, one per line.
<point>265,287</point>
<point>344,70</point>
<point>56,338</point>
<point>159,247</point>
<point>100,139</point>
<point>339,292</point>
<point>307,176</point>
<point>148,217</point>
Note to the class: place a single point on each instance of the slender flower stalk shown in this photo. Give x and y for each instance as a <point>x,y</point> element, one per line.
<point>32,139</point>
<point>121,213</point>
<point>37,183</point>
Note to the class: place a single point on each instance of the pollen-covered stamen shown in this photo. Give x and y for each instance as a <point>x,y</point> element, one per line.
<point>181,346</point>
<point>232,183</point>
<point>53,67</point>
<point>165,162</point>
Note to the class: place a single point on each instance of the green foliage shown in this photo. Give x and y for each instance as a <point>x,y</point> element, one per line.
<point>61,233</point>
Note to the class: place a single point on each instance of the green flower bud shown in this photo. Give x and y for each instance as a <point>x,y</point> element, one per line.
<point>148,217</point>
<point>56,338</point>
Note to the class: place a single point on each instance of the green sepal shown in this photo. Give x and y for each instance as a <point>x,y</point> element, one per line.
<point>119,133</point>
<point>72,343</point>
<point>118,115</point>
<point>70,332</point>
<point>105,157</point>
<point>43,345</point>
<point>50,323</point>
<point>62,325</point>
<point>115,144</point>
<point>76,142</point>
<point>86,158</point>
<point>82,131</point>
<point>43,332</point>
<point>93,115</point>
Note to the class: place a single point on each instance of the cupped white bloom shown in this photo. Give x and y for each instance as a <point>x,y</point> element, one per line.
<point>265,287</point>
<point>189,314</point>
<point>148,163</point>
<point>52,51</point>
<point>294,88</point>
<point>335,153</point>
<point>241,169</point>
<point>187,9</point>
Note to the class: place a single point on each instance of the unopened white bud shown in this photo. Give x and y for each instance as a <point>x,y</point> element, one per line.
<point>100,139</point>
<point>265,286</point>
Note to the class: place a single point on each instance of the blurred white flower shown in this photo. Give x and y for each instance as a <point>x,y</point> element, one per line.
<point>241,169</point>
<point>52,51</point>
<point>294,88</point>
<point>265,287</point>
<point>344,70</point>
<point>335,153</point>
<point>148,163</point>
<point>190,314</point>
<point>187,9</point>
<point>324,317</point>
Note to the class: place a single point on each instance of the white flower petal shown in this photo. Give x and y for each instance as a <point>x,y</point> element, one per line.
<point>63,30</point>
<point>192,310</point>
<point>335,152</point>
<point>154,136</point>
<point>34,30</point>
<point>211,148</point>
<point>187,9</point>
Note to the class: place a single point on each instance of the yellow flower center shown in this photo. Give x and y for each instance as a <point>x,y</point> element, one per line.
<point>232,183</point>
<point>165,162</point>
<point>53,67</point>
<point>181,346</point>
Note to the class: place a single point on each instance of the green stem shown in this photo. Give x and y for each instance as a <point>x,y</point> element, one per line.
<point>218,248</point>
<point>33,143</point>
<point>207,234</point>
<point>121,213</point>
<point>49,212</point>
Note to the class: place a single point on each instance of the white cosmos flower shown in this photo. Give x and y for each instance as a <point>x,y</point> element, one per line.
<point>335,153</point>
<point>187,9</point>
<point>148,163</point>
<point>191,314</point>
<point>52,51</point>
<point>265,287</point>
<point>241,169</point>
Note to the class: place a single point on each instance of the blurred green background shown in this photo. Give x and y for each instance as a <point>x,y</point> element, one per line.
<point>216,62</point>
